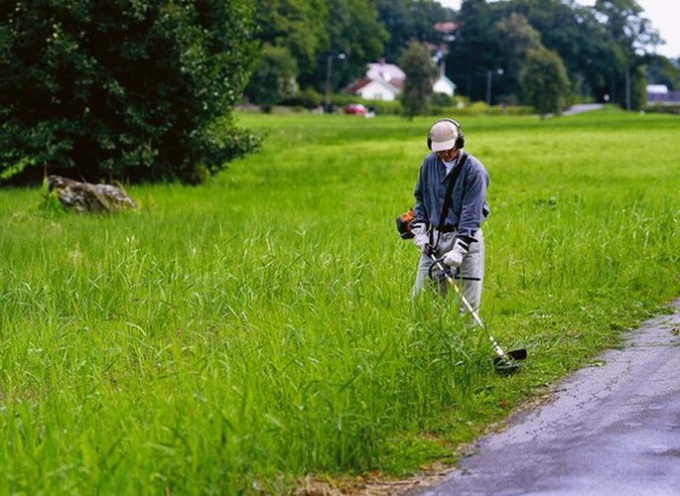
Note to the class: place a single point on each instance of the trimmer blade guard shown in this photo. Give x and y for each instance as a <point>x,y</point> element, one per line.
<point>520,354</point>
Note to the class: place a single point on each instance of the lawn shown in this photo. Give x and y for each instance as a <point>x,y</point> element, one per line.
<point>240,336</point>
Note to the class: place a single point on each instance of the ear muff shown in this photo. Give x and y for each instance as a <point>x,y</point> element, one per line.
<point>460,140</point>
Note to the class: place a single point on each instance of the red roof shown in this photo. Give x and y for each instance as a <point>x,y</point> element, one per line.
<point>445,27</point>
<point>357,85</point>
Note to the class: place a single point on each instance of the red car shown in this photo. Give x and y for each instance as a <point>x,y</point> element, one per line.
<point>356,109</point>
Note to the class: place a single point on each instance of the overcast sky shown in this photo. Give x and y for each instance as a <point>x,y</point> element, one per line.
<point>664,15</point>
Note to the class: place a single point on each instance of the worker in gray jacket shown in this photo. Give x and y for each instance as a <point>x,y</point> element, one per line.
<point>451,230</point>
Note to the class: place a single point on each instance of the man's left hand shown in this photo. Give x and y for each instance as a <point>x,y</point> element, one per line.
<point>454,258</point>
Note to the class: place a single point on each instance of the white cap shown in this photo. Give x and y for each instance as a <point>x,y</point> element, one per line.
<point>443,135</point>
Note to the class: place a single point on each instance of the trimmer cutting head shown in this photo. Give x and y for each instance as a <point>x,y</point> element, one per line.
<point>510,362</point>
<point>504,362</point>
<point>505,365</point>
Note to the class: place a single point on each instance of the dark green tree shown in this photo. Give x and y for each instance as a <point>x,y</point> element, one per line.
<point>123,89</point>
<point>475,49</point>
<point>274,80</point>
<point>407,20</point>
<point>301,26</point>
<point>661,70</point>
<point>314,30</point>
<point>354,30</point>
<point>421,72</point>
<point>601,46</point>
<point>545,82</point>
<point>519,39</point>
<point>631,34</point>
<point>568,29</point>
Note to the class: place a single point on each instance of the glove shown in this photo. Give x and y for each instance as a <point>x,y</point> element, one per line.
<point>421,239</point>
<point>454,258</point>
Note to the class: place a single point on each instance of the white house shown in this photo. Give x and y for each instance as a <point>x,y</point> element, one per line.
<point>374,90</point>
<point>657,89</point>
<point>443,84</point>
<point>382,82</point>
<point>385,82</point>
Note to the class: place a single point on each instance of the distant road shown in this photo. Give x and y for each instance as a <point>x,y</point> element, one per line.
<point>612,429</point>
<point>583,107</point>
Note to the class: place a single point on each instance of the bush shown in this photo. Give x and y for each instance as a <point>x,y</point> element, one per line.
<point>122,89</point>
<point>308,98</point>
<point>662,109</point>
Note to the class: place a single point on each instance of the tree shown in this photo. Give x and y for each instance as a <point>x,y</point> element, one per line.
<point>313,30</point>
<point>661,70</point>
<point>421,72</point>
<point>354,30</point>
<point>274,79</point>
<point>601,46</point>
<point>300,26</point>
<point>520,38</point>
<point>545,82</point>
<point>123,89</point>
<point>475,49</point>
<point>566,28</point>
<point>631,34</point>
<point>407,20</point>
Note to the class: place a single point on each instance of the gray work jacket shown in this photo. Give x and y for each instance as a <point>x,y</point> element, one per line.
<point>468,207</point>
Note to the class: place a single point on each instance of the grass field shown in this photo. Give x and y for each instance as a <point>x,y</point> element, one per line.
<point>242,335</point>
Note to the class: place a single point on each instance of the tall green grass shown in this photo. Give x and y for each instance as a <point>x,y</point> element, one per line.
<point>238,336</point>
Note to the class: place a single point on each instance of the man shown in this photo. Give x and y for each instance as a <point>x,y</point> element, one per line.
<point>451,230</point>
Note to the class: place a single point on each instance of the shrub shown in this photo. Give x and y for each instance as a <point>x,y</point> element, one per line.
<point>122,89</point>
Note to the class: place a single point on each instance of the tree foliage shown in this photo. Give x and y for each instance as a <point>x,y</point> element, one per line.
<point>475,49</point>
<point>544,81</point>
<point>420,74</point>
<point>406,20</point>
<point>313,30</point>
<point>519,39</point>
<point>354,30</point>
<point>275,77</point>
<point>300,26</point>
<point>600,45</point>
<point>123,89</point>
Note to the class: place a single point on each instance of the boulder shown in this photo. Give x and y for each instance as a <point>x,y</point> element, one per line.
<point>87,197</point>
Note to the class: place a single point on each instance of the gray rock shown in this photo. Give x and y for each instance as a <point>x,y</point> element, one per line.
<point>87,197</point>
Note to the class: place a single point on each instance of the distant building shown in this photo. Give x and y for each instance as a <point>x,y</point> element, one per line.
<point>657,88</point>
<point>389,73</point>
<point>385,81</point>
<point>659,94</point>
<point>443,84</point>
<point>374,90</point>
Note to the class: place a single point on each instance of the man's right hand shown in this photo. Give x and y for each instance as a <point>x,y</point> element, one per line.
<point>422,241</point>
<point>421,238</point>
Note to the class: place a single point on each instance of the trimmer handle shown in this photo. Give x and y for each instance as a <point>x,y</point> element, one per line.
<point>443,268</point>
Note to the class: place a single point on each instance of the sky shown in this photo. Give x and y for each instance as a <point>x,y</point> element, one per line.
<point>663,14</point>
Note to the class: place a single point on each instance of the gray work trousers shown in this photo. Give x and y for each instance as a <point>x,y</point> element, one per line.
<point>471,271</point>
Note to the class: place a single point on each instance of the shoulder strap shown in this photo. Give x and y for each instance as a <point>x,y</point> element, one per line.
<point>449,188</point>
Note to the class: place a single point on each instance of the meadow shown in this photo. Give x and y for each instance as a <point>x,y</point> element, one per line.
<point>256,332</point>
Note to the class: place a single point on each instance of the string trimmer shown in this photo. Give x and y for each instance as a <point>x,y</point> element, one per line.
<point>504,362</point>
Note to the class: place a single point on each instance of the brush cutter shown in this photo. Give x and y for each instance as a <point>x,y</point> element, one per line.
<point>504,362</point>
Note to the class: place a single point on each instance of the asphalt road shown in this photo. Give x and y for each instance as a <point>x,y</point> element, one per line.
<point>612,429</point>
<point>582,107</point>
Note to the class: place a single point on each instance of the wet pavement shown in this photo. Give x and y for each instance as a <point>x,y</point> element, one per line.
<point>612,429</point>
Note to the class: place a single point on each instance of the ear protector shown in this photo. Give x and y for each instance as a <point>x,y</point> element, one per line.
<point>460,140</point>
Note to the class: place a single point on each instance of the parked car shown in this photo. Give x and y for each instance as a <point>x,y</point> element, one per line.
<point>356,109</point>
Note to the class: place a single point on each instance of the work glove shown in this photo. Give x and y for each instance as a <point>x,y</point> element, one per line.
<point>421,238</point>
<point>454,258</point>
